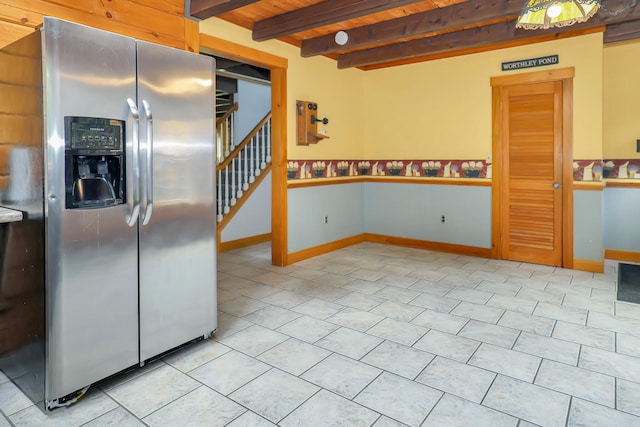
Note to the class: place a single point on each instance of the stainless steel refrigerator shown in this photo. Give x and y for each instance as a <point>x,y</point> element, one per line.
<point>110,146</point>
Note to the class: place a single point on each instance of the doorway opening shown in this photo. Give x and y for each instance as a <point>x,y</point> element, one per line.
<point>277,67</point>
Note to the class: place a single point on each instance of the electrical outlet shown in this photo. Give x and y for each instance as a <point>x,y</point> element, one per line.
<point>442,219</point>
<point>326,219</point>
<point>489,158</point>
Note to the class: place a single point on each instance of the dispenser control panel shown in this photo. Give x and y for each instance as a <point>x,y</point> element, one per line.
<point>90,133</point>
<point>95,162</point>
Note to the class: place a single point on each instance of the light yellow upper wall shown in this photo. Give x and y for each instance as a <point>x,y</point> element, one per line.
<point>435,110</point>
<point>442,109</point>
<point>339,94</point>
<point>621,100</point>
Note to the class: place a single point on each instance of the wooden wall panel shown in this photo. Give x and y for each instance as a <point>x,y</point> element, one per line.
<point>157,21</point>
<point>10,32</point>
<point>21,95</point>
<point>191,35</point>
<point>20,100</point>
<point>12,129</point>
<point>4,160</point>
<point>19,69</point>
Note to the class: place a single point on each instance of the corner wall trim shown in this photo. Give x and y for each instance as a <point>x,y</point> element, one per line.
<point>588,265</point>
<point>578,264</point>
<point>622,255</point>
<point>389,240</point>
<point>244,242</point>
<point>431,246</point>
<point>325,248</point>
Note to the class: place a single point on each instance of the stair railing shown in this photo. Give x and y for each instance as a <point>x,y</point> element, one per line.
<point>224,130</point>
<point>240,167</point>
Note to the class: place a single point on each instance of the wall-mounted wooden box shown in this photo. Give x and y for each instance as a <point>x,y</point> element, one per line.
<point>307,123</point>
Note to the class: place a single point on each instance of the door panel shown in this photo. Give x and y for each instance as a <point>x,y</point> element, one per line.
<point>91,265</point>
<point>532,164</point>
<point>177,245</point>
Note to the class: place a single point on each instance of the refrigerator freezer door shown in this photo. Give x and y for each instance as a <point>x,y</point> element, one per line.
<point>91,266</point>
<point>177,244</point>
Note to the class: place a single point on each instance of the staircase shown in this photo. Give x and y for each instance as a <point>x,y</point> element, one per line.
<point>240,167</point>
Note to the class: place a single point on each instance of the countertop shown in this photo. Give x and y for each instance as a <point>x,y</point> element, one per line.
<point>9,215</point>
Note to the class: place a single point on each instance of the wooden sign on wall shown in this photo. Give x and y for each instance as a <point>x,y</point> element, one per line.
<point>530,63</point>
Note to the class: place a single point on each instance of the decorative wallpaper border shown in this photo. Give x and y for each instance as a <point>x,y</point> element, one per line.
<point>596,170</point>
<point>583,170</point>
<point>305,169</point>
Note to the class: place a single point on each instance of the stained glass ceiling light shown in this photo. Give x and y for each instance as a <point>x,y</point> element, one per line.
<point>543,14</point>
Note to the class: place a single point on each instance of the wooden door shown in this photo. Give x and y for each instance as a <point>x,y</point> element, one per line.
<point>532,173</point>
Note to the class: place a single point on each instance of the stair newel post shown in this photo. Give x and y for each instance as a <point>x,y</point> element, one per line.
<point>219,189</point>
<point>268,126</point>
<point>226,190</point>
<point>245,185</point>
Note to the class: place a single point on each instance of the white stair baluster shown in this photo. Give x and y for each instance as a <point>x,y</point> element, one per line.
<point>245,185</point>
<point>256,143</point>
<point>217,142</point>
<point>232,142</point>
<point>263,147</point>
<point>226,137</point>
<point>238,174</point>
<point>219,217</point>
<point>226,190</point>
<point>253,154</point>
<point>268,140</point>
<point>233,181</point>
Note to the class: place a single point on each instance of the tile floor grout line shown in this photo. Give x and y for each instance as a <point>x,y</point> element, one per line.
<point>360,255</point>
<point>120,406</point>
<point>615,393</point>
<point>302,403</point>
<point>169,403</point>
<point>568,416</point>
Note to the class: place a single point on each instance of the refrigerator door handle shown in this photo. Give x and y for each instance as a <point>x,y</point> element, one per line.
<point>149,166</point>
<point>134,201</point>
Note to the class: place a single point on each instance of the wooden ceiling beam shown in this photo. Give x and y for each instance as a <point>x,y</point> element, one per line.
<point>204,9</point>
<point>442,19</point>
<point>623,31</point>
<point>487,48</point>
<point>470,38</point>
<point>320,14</point>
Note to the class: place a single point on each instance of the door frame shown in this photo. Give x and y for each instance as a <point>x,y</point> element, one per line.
<point>564,75</point>
<point>278,67</point>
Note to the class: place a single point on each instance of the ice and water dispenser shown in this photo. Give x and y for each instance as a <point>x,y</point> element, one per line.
<point>94,162</point>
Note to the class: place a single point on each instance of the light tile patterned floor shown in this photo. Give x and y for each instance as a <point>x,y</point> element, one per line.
<point>376,335</point>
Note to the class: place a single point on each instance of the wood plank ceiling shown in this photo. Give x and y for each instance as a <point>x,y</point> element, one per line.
<point>385,33</point>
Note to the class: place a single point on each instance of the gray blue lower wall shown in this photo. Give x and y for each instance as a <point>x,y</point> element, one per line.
<point>341,204</point>
<point>412,211</point>
<point>415,211</point>
<point>622,219</point>
<point>588,225</point>
<point>602,219</point>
